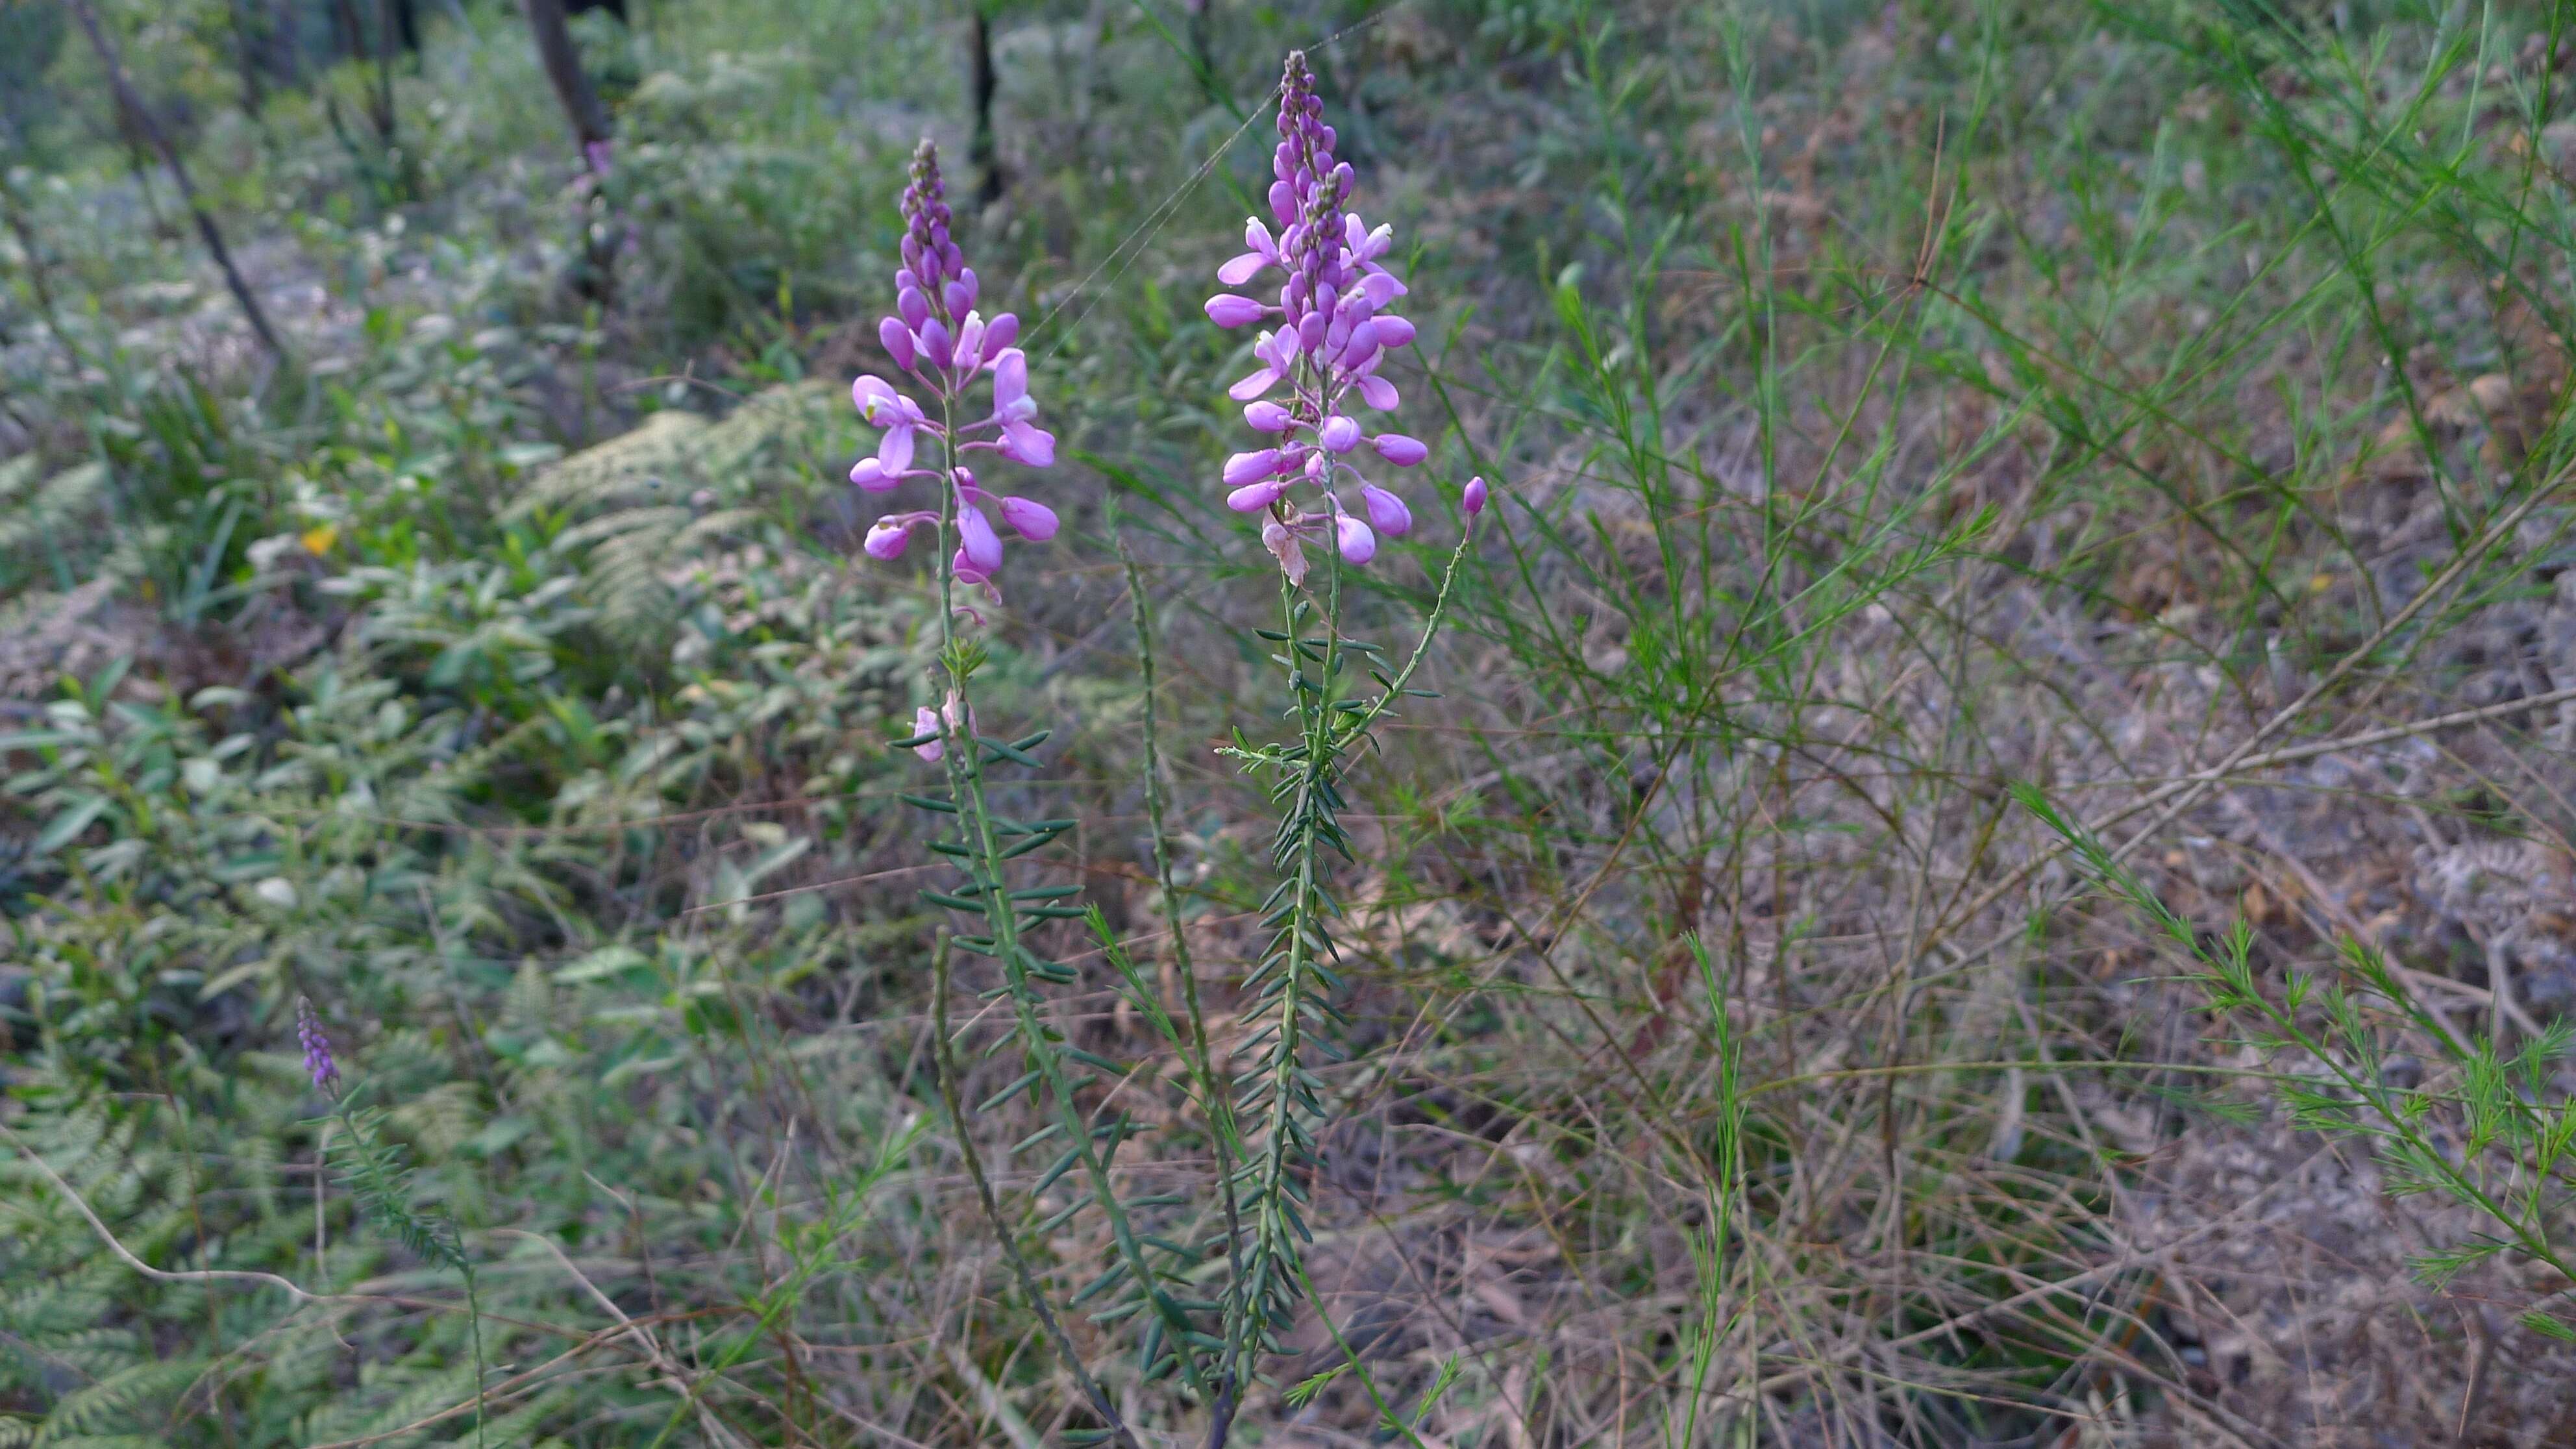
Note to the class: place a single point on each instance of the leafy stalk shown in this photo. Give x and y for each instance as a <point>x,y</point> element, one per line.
<point>379,1174</point>
<point>1294,985</point>
<point>2500,1100</point>
<point>982,854</point>
<point>1223,1130</point>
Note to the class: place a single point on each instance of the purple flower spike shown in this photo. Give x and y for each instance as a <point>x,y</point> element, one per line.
<point>317,1047</point>
<point>1329,340</point>
<point>937,337</point>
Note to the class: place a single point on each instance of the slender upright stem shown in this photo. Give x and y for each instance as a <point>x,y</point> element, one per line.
<point>943,1053</point>
<point>966,791</point>
<point>1219,1103</point>
<point>1308,817</point>
<point>141,115</point>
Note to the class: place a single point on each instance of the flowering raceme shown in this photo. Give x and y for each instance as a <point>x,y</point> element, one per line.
<point>317,1047</point>
<point>1332,334</point>
<point>938,337</point>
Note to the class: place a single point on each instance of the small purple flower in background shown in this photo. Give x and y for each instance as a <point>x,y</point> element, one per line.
<point>1332,335</point>
<point>317,1047</point>
<point>940,723</point>
<point>937,336</point>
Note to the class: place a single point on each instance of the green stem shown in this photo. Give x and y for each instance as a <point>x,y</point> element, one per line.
<point>943,1053</point>
<point>1219,1103</point>
<point>1309,811</point>
<point>964,756</point>
<point>474,1318</point>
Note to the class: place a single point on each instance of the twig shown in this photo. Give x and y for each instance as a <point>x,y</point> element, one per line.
<point>652,1347</point>
<point>141,115</point>
<point>126,1255</point>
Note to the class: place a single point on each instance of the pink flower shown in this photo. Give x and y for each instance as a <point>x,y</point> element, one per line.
<point>1225,309</point>
<point>1024,444</point>
<point>1264,252</point>
<point>1283,546</point>
<point>1474,501</point>
<point>925,721</point>
<point>1011,385</point>
<point>1400,450</point>
<point>976,539</point>
<point>889,536</point>
<point>1330,339</point>
<point>1357,544</point>
<point>894,450</point>
<point>1254,497</point>
<point>896,339</point>
<point>1244,467</point>
<point>875,398</point>
<point>1034,521</point>
<point>938,337</point>
<point>1386,511</point>
<point>940,724</point>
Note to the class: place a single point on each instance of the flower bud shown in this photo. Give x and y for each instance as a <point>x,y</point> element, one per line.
<point>1228,310</point>
<point>1357,544</point>
<point>887,538</point>
<point>1400,450</point>
<point>1034,521</point>
<point>976,540</point>
<point>1386,511</point>
<point>896,339</point>
<point>1254,497</point>
<point>1244,467</point>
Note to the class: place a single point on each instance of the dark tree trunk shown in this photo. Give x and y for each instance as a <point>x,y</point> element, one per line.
<point>985,153</point>
<point>131,103</point>
<point>246,57</point>
<point>355,44</point>
<point>286,40</point>
<point>572,85</point>
<point>590,133</point>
